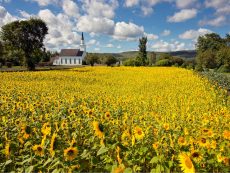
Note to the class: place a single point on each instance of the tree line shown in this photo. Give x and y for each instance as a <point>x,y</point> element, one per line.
<point>213,52</point>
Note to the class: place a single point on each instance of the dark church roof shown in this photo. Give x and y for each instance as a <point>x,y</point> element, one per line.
<point>71,52</point>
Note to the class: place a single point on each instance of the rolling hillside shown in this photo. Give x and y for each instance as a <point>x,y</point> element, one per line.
<point>132,54</point>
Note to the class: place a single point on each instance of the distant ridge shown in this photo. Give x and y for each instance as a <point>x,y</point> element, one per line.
<point>187,54</point>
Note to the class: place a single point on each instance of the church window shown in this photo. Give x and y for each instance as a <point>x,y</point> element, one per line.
<point>61,61</point>
<point>70,61</point>
<point>66,61</point>
<point>79,61</point>
<point>74,60</point>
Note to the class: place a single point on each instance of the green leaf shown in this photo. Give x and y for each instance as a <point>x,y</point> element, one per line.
<point>8,162</point>
<point>102,150</point>
<point>128,170</point>
<point>29,169</point>
<point>154,160</point>
<point>153,171</point>
<point>48,161</point>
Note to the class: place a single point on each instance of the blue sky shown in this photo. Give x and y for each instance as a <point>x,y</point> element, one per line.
<point>116,25</point>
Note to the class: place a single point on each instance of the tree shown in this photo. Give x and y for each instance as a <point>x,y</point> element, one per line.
<point>109,60</point>
<point>142,51</point>
<point>152,58</point>
<point>91,59</point>
<point>207,47</point>
<point>209,41</point>
<point>26,36</point>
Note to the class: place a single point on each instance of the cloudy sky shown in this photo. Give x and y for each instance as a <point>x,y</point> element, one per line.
<point>116,25</point>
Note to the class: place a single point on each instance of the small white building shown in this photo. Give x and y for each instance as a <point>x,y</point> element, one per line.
<point>71,56</point>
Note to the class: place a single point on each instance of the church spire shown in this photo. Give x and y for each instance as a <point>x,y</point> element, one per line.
<point>82,36</point>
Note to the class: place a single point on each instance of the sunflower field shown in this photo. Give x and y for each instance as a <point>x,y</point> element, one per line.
<point>113,119</point>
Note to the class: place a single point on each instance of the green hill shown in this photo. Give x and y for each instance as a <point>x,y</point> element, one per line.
<point>187,54</point>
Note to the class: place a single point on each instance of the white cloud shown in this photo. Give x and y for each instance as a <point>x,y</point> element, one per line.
<point>93,42</point>
<point>100,8</point>
<point>221,6</point>
<point>95,25</point>
<point>6,17</point>
<point>97,49</point>
<point>45,2</point>
<point>70,8</point>
<point>146,10</point>
<point>131,3</point>
<point>166,32</point>
<point>194,34</point>
<point>183,15</point>
<point>61,30</point>
<point>24,14</point>
<point>109,45</point>
<point>127,31</point>
<point>185,3</point>
<point>218,21</point>
<point>163,46</point>
<point>151,36</point>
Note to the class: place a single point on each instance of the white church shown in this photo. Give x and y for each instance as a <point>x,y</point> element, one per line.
<point>71,56</point>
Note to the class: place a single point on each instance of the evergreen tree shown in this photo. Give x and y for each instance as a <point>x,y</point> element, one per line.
<point>142,51</point>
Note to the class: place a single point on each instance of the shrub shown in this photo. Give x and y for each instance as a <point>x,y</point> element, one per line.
<point>0,65</point>
<point>224,69</point>
<point>163,62</point>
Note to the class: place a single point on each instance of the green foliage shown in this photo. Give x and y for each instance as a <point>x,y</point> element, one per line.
<point>129,62</point>
<point>109,60</point>
<point>163,62</point>
<point>152,59</point>
<point>25,36</point>
<point>164,56</point>
<point>91,59</point>
<point>213,51</point>
<point>218,78</point>
<point>209,41</point>
<point>223,57</point>
<point>142,58</point>
<point>207,59</point>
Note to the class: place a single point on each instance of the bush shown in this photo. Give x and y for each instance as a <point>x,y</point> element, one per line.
<point>163,62</point>
<point>129,62</point>
<point>9,64</point>
<point>0,65</point>
<point>224,69</point>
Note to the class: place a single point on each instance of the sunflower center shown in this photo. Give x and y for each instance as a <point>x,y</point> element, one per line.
<point>70,152</point>
<point>139,132</point>
<point>39,149</point>
<point>195,154</point>
<point>203,140</point>
<point>188,163</point>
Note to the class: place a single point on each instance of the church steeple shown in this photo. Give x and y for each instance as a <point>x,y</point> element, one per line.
<point>82,36</point>
<point>82,45</point>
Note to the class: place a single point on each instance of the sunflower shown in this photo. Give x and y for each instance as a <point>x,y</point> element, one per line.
<point>46,129</point>
<point>156,145</point>
<point>107,115</point>
<point>196,156</point>
<point>98,128</point>
<point>118,155</point>
<point>26,131</point>
<point>73,168</point>
<point>203,142</point>
<point>70,153</point>
<point>226,134</point>
<point>64,125</point>
<point>38,149</point>
<point>119,169</point>
<point>166,126</point>
<point>125,138</point>
<point>186,163</point>
<point>52,144</point>
<point>7,149</point>
<point>181,141</point>
<point>138,132</point>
